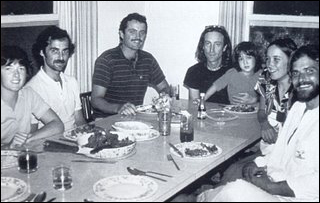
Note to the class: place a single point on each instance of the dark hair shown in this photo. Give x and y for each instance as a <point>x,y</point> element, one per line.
<point>44,39</point>
<point>249,49</point>
<point>11,53</point>
<point>226,56</point>
<point>287,45</point>
<point>132,16</point>
<point>310,51</point>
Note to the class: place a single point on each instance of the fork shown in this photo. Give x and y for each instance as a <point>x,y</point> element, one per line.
<point>170,158</point>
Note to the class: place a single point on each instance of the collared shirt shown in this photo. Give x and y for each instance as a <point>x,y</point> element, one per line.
<point>18,120</point>
<point>125,80</point>
<point>295,156</point>
<point>64,100</point>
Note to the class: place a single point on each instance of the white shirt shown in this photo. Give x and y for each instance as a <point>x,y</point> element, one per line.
<point>65,100</point>
<point>295,156</point>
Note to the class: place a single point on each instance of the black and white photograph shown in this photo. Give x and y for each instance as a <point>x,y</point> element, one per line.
<point>159,101</point>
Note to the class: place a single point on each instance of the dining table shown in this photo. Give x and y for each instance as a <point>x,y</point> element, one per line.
<point>151,155</point>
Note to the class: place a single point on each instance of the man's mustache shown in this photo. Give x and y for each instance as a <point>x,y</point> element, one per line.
<point>59,61</point>
<point>304,83</point>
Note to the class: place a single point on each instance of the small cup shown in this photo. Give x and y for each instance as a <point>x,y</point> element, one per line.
<point>27,161</point>
<point>164,122</point>
<point>62,178</point>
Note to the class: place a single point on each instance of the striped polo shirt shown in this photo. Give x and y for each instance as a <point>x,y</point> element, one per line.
<point>125,80</point>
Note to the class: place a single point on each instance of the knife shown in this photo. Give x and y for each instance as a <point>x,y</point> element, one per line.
<point>54,146</point>
<point>176,149</point>
<point>93,161</point>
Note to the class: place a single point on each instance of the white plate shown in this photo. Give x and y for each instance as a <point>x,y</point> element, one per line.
<point>220,115</point>
<point>79,131</point>
<point>131,125</point>
<point>12,188</point>
<point>9,159</point>
<point>126,188</point>
<point>182,147</point>
<point>240,109</point>
<point>140,135</point>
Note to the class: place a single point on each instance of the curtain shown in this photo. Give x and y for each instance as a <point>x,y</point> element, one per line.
<point>232,17</point>
<point>79,18</point>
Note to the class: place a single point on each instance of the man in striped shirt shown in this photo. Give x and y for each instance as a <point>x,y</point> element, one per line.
<point>122,74</point>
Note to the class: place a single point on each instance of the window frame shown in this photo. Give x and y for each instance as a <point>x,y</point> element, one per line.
<point>28,20</point>
<point>290,21</point>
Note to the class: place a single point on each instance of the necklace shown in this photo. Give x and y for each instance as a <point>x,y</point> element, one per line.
<point>214,69</point>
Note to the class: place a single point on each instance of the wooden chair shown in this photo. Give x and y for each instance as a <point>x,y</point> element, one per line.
<point>86,106</point>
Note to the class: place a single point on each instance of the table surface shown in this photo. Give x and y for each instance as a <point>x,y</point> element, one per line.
<point>231,137</point>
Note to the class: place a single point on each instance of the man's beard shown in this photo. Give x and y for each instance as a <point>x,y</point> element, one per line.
<point>306,96</point>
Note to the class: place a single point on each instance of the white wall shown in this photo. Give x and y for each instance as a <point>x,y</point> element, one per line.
<point>173,33</point>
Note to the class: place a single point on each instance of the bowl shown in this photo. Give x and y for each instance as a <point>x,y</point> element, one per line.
<point>108,153</point>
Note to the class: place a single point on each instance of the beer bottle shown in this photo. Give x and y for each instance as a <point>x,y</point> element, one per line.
<point>202,108</point>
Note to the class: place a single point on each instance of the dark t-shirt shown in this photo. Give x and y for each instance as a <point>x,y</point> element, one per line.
<point>200,78</point>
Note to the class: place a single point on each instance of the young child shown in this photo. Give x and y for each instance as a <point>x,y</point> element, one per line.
<point>18,104</point>
<point>241,79</point>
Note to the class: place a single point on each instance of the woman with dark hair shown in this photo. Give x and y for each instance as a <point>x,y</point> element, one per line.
<point>276,91</point>
<point>19,104</point>
<point>241,79</point>
<point>214,57</point>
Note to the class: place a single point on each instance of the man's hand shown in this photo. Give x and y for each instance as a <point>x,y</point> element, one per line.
<point>251,169</point>
<point>268,133</point>
<point>128,109</point>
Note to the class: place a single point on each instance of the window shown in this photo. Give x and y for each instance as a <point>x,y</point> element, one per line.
<point>22,21</point>
<point>26,7</point>
<point>270,20</point>
<point>298,8</point>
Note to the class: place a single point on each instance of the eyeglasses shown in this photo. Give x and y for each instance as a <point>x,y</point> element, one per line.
<point>214,27</point>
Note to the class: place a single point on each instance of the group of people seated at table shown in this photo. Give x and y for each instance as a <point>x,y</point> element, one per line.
<point>286,168</point>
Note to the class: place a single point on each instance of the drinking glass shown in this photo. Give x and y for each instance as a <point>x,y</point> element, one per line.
<point>61,177</point>
<point>164,117</point>
<point>186,128</point>
<point>27,161</point>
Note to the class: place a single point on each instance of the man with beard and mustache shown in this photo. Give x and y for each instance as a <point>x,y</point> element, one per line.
<point>52,50</point>
<point>291,171</point>
<point>122,74</point>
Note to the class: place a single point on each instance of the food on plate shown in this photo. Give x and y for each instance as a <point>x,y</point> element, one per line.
<point>107,141</point>
<point>148,109</point>
<point>202,150</point>
<point>241,108</point>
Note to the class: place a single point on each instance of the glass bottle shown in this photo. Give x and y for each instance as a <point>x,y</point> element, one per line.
<point>202,107</point>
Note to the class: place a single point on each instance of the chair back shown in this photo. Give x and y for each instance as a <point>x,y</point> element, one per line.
<point>86,106</point>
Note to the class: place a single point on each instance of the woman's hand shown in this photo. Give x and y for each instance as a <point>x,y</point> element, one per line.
<point>268,133</point>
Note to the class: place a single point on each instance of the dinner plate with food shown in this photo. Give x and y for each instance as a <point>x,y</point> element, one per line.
<point>97,144</point>
<point>147,109</point>
<point>82,130</point>
<point>196,150</point>
<point>241,109</point>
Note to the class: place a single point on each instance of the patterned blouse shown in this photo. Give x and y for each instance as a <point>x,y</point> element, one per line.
<point>268,89</point>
